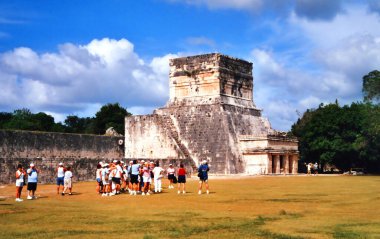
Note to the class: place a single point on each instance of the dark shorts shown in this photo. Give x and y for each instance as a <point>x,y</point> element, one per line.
<point>181,179</point>
<point>170,176</point>
<point>116,180</point>
<point>203,178</point>
<point>32,186</point>
<point>60,181</point>
<point>134,178</point>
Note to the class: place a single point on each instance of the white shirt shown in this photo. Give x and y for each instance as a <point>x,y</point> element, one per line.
<point>118,172</point>
<point>68,174</point>
<point>21,178</point>
<point>170,170</point>
<point>60,172</point>
<point>157,171</point>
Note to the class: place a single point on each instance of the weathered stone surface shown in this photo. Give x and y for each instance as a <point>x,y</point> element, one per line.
<point>210,108</point>
<point>46,150</point>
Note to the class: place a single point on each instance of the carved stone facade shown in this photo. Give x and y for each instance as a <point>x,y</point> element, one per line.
<point>211,115</point>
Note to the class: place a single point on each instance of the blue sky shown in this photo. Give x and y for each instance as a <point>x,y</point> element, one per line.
<point>71,57</point>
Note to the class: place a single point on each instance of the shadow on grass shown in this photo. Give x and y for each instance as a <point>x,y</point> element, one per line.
<point>240,228</point>
<point>352,230</point>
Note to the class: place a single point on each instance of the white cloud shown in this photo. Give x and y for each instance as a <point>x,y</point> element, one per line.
<point>79,79</point>
<point>342,51</point>
<point>355,19</point>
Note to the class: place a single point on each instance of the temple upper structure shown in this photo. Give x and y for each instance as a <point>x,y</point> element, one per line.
<point>211,115</point>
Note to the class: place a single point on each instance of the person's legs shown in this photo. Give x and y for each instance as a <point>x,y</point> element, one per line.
<point>155,185</point>
<point>184,188</point>
<point>159,182</point>
<point>147,188</point>
<point>17,192</point>
<point>200,187</point>
<point>206,184</point>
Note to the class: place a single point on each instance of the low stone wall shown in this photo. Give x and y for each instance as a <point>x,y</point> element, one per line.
<point>47,149</point>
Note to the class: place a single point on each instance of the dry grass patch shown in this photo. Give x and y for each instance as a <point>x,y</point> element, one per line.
<point>254,207</point>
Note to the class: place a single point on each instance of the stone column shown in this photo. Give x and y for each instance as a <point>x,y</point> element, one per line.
<point>286,164</point>
<point>277,163</point>
<point>269,167</point>
<point>290,164</point>
<point>295,164</point>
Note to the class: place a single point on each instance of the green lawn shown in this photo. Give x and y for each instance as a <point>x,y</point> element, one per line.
<point>249,207</point>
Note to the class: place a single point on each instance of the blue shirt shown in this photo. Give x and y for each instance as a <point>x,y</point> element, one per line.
<point>203,170</point>
<point>135,169</point>
<point>32,176</point>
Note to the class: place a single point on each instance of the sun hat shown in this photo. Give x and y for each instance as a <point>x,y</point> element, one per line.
<point>31,165</point>
<point>60,163</point>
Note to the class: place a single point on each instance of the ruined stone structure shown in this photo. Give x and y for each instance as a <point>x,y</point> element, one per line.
<point>47,149</point>
<point>211,115</point>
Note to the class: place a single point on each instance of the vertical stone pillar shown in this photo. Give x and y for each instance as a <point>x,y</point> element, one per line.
<point>290,164</point>
<point>286,164</point>
<point>269,166</point>
<point>295,164</point>
<point>277,163</point>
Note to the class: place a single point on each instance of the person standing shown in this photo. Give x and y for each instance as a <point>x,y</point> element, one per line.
<point>32,181</point>
<point>203,176</point>
<point>146,179</point>
<point>135,172</point>
<point>315,168</point>
<point>171,175</point>
<point>105,180</point>
<point>309,165</point>
<point>118,172</point>
<point>68,181</point>
<point>158,174</point>
<point>60,176</point>
<point>20,177</point>
<point>181,179</point>
<point>99,187</point>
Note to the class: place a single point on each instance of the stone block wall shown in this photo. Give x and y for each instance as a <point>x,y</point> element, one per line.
<point>46,150</point>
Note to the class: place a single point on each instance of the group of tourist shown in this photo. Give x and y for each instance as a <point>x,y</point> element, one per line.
<point>143,177</point>
<point>64,178</point>
<point>312,168</point>
<point>116,177</point>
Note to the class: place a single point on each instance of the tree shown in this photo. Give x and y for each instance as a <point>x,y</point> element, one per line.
<point>342,136</point>
<point>43,121</point>
<point>110,115</point>
<point>76,124</point>
<point>371,86</point>
<point>4,118</point>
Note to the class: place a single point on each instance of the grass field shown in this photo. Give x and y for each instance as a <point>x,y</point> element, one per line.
<point>249,207</point>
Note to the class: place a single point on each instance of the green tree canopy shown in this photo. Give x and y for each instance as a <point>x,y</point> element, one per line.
<point>371,86</point>
<point>76,124</point>
<point>110,115</point>
<point>345,136</point>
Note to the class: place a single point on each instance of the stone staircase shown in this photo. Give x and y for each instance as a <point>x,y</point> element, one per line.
<point>167,123</point>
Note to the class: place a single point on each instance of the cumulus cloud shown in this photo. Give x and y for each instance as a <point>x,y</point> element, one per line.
<point>78,79</point>
<point>329,66</point>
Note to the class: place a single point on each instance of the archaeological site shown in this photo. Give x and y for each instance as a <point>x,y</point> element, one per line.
<point>211,116</point>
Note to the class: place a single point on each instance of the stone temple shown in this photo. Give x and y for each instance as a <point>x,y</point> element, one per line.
<point>211,115</point>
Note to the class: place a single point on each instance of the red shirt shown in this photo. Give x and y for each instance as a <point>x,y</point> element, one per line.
<point>181,171</point>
